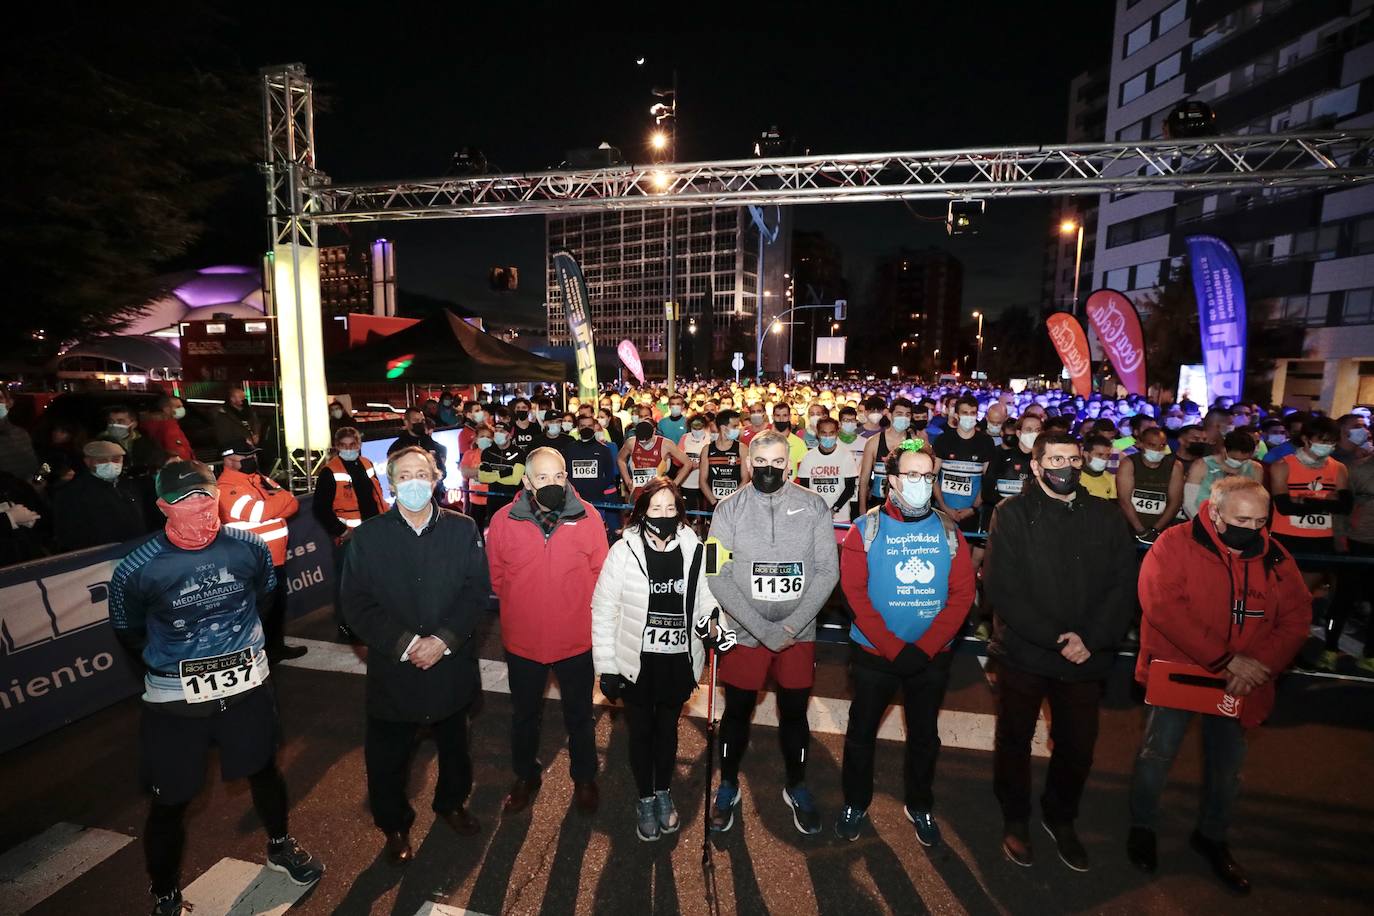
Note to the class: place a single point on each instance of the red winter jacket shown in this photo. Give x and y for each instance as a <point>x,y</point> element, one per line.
<point>545,585</point>
<point>1189,585</point>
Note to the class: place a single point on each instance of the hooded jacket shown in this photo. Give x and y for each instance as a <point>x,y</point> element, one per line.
<point>1057,567</point>
<point>620,605</point>
<point>1191,589</point>
<point>545,584</point>
<point>774,538</point>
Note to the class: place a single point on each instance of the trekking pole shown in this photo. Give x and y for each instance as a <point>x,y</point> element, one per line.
<point>710,759</point>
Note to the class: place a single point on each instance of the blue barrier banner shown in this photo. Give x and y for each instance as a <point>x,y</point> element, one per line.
<point>1220,293</point>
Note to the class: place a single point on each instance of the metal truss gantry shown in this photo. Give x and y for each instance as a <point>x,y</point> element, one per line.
<point>1312,160</point>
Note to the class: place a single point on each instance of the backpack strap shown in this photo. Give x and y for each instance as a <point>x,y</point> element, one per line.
<point>951,533</point>
<point>870,529</point>
<point>870,526</point>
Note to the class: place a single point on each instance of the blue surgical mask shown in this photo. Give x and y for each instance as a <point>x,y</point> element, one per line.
<point>414,493</point>
<point>1276,438</point>
<point>4,411</point>
<point>849,427</point>
<point>1321,449</point>
<point>502,439</point>
<point>968,424</point>
<point>483,443</point>
<point>827,442</point>
<point>1359,435</point>
<point>108,470</point>
<point>349,454</point>
<point>732,433</point>
<point>1153,456</point>
<point>901,423</point>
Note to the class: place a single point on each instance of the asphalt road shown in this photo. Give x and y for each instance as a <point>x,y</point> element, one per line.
<point>1302,828</point>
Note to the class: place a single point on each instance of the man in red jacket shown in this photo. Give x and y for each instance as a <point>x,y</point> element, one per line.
<point>545,550</point>
<point>908,576</point>
<point>1220,594</point>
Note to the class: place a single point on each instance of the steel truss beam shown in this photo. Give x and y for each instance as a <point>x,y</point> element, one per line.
<point>1315,160</point>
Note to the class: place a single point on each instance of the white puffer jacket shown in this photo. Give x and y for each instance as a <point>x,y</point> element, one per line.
<point>620,605</point>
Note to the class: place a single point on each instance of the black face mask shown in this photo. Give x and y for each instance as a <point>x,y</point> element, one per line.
<point>551,497</point>
<point>417,429</point>
<point>522,415</point>
<point>662,527</point>
<point>769,479</point>
<point>1196,449</point>
<point>586,433</point>
<point>782,426</point>
<point>1238,538</point>
<point>644,431</point>
<point>1010,440</point>
<point>249,465</point>
<point>1061,480</point>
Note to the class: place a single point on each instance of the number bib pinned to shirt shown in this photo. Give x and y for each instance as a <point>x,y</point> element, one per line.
<point>777,581</point>
<point>1147,502</point>
<point>665,634</point>
<point>1311,522</point>
<point>585,469</point>
<point>641,476</point>
<point>220,676</point>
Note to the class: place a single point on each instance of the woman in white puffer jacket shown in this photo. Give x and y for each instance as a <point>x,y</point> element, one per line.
<point>649,600</point>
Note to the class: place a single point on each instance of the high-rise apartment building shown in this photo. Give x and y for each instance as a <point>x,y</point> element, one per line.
<point>1264,66</point>
<point>913,320</point>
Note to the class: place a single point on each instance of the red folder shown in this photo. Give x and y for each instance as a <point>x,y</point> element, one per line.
<point>1181,686</point>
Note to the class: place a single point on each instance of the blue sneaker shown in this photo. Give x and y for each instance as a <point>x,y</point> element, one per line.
<point>804,813</point>
<point>723,811</point>
<point>927,831</point>
<point>646,820</point>
<point>850,821</point>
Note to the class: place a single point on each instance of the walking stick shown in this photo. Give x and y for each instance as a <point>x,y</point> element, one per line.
<point>710,763</point>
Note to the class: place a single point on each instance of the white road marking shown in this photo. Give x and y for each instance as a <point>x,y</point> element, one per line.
<point>827,715</point>
<point>442,909</point>
<point>233,887</point>
<point>41,866</point>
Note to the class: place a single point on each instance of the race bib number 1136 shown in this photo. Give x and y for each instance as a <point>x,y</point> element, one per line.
<point>777,581</point>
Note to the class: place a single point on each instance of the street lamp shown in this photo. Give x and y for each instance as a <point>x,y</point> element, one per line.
<point>1070,227</point>
<point>979,316</point>
<point>777,326</point>
<point>659,141</point>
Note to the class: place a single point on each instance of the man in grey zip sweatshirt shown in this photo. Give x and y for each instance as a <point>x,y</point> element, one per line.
<point>782,566</point>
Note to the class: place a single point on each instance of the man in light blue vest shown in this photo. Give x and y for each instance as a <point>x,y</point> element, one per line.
<point>907,574</point>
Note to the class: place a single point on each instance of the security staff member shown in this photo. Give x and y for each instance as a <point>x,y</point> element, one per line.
<point>347,492</point>
<point>251,501</point>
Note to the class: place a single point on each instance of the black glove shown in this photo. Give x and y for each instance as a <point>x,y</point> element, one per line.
<point>911,660</point>
<point>611,686</point>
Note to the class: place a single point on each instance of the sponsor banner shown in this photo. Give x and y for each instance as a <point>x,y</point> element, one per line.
<point>629,355</point>
<point>1220,292</point>
<point>59,658</point>
<point>579,310</point>
<point>1072,346</point>
<point>1117,325</point>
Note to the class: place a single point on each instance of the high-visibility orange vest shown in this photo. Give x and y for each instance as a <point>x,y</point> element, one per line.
<point>258,504</point>
<point>345,497</point>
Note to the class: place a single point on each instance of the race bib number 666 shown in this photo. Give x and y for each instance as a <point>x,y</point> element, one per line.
<point>776,581</point>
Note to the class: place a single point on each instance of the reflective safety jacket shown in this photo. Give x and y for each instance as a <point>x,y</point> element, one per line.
<point>253,502</point>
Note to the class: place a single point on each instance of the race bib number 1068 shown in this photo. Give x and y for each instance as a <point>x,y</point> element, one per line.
<point>777,581</point>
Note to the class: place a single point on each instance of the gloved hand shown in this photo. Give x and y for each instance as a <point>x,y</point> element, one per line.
<point>911,660</point>
<point>611,686</point>
<point>725,639</point>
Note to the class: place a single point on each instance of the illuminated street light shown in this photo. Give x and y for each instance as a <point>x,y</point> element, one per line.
<point>660,180</point>
<point>1068,227</point>
<point>659,140</point>
<point>777,326</point>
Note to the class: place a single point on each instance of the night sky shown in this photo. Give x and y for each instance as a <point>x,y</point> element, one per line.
<point>407,86</point>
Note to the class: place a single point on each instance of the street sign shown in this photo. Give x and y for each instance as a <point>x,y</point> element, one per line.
<point>737,364</point>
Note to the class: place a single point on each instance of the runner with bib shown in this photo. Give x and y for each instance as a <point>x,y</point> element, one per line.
<point>1309,487</point>
<point>645,455</point>
<point>724,471</point>
<point>963,452</point>
<point>1149,485</point>
<point>872,476</point>
<point>776,566</point>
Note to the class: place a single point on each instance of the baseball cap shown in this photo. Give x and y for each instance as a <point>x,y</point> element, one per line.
<point>241,447</point>
<point>180,479</point>
<point>102,448</point>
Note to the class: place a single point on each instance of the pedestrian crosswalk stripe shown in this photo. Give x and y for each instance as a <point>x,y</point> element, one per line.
<point>41,866</point>
<point>827,715</point>
<point>233,887</point>
<point>441,909</point>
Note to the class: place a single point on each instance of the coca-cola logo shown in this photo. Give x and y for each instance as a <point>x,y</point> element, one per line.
<point>1229,706</point>
<point>1063,338</point>
<point>1113,330</point>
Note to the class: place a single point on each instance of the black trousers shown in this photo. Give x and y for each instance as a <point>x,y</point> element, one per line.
<point>1073,730</point>
<point>653,745</point>
<point>794,732</point>
<point>527,681</point>
<point>1353,583</point>
<point>387,750</point>
<point>274,621</point>
<point>922,694</point>
<point>164,835</point>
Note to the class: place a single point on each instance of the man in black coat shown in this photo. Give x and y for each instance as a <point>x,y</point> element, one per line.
<point>415,583</point>
<point>98,505</point>
<point>1060,574</point>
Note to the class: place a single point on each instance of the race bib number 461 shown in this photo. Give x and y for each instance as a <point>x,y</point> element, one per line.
<point>204,679</point>
<point>776,581</point>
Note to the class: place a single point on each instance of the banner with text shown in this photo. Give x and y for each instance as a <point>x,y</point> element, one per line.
<point>59,658</point>
<point>1117,325</point>
<point>579,311</point>
<point>1072,346</point>
<point>1220,292</point>
<point>629,355</point>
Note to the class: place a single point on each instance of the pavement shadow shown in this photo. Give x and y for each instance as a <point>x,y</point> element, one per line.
<point>493,880</point>
<point>372,883</point>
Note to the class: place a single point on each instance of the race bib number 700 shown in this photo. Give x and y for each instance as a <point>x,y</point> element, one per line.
<point>204,679</point>
<point>776,581</point>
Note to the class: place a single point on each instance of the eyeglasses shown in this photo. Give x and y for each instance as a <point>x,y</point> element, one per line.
<point>1059,461</point>
<point>914,477</point>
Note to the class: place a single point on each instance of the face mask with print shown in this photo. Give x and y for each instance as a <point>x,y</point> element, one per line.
<point>663,527</point>
<point>414,493</point>
<point>349,454</point>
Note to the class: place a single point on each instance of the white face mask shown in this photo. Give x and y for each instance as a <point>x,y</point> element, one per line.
<point>968,424</point>
<point>994,429</point>
<point>1097,465</point>
<point>915,496</point>
<point>874,418</point>
<point>1028,440</point>
<point>1153,456</point>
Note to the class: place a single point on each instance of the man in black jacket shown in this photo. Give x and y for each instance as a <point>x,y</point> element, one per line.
<point>415,583</point>
<point>99,506</point>
<point>1060,573</point>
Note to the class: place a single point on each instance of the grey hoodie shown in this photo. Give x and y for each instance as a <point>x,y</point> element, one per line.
<point>776,540</point>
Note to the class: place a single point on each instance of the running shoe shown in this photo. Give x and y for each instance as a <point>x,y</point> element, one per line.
<point>927,831</point>
<point>169,904</point>
<point>850,822</point>
<point>723,812</point>
<point>804,813</point>
<point>668,820</point>
<point>646,820</point>
<point>294,862</point>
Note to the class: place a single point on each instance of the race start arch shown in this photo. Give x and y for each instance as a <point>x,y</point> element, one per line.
<point>300,197</point>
